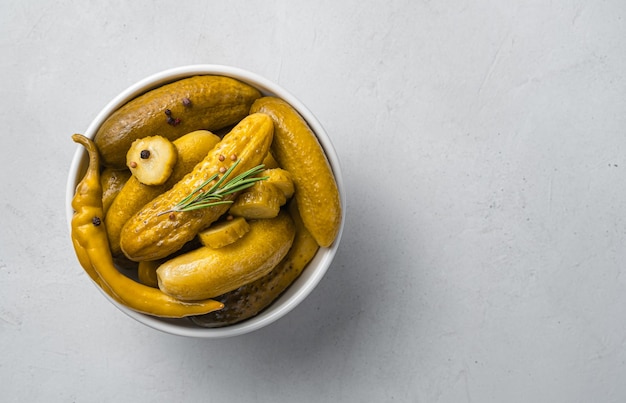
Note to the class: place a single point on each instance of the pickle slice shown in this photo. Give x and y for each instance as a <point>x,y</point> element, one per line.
<point>224,233</point>
<point>151,159</point>
<point>281,179</point>
<point>261,200</point>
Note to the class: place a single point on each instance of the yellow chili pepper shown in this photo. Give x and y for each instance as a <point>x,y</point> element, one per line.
<point>84,212</point>
<point>83,258</point>
<point>94,254</point>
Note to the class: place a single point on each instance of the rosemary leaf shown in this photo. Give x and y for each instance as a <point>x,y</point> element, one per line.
<point>200,198</point>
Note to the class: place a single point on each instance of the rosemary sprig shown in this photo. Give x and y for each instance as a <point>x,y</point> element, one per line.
<point>200,198</point>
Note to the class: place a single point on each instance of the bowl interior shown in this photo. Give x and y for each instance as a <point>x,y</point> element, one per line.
<point>313,273</point>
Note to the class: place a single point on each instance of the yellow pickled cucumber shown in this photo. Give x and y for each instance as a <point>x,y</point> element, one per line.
<point>171,110</point>
<point>152,233</point>
<point>112,181</point>
<point>191,149</point>
<point>146,272</point>
<point>262,200</point>
<point>281,179</point>
<point>298,151</point>
<point>270,162</point>
<point>224,232</point>
<point>151,159</point>
<point>207,272</point>
<point>250,299</point>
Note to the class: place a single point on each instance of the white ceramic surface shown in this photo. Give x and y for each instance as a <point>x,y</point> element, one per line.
<point>316,269</point>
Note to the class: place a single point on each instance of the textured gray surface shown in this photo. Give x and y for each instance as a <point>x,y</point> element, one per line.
<point>483,148</point>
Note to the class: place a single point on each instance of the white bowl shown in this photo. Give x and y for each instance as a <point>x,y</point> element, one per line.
<point>312,274</point>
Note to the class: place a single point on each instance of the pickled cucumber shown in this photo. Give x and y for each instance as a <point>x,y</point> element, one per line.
<point>201,102</point>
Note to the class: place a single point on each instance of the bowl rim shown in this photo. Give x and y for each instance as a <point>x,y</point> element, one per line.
<point>293,296</point>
